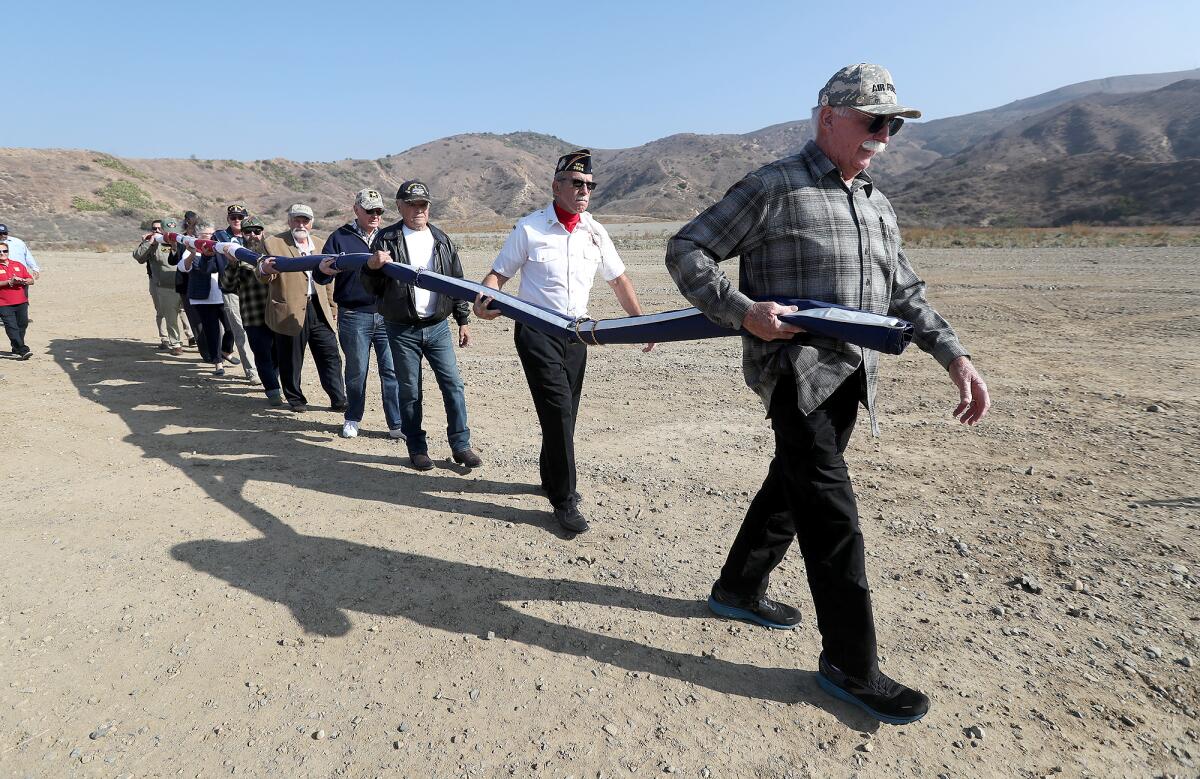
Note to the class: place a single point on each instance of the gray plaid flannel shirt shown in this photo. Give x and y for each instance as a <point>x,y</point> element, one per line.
<point>801,232</point>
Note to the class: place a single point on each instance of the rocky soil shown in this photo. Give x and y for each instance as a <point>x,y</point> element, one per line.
<point>196,584</point>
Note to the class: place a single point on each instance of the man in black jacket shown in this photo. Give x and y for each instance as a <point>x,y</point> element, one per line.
<point>416,322</point>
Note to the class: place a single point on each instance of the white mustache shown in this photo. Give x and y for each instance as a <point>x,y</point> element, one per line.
<point>300,234</point>
<point>873,145</point>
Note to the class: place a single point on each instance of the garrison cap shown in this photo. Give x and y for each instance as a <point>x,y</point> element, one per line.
<point>413,191</point>
<point>170,224</point>
<point>867,88</point>
<point>578,161</point>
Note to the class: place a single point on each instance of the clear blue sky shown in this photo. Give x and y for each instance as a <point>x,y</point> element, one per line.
<point>326,81</point>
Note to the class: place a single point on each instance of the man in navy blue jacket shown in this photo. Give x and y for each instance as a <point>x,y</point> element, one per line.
<point>359,324</point>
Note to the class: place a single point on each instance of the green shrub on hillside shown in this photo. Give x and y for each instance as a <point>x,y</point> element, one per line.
<point>112,163</point>
<point>80,203</point>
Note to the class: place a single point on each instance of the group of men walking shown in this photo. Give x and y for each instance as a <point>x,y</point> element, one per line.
<point>812,225</point>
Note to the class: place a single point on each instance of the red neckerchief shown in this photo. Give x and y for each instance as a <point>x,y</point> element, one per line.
<point>568,220</point>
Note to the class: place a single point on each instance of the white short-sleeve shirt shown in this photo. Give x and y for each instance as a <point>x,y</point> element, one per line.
<point>558,267</point>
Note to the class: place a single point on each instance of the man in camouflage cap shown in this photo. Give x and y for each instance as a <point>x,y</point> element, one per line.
<point>252,298</point>
<point>814,226</point>
<point>167,307</point>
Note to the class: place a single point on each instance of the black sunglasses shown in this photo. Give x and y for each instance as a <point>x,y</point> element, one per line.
<point>894,123</point>
<point>253,230</point>
<point>374,211</point>
<point>580,184</point>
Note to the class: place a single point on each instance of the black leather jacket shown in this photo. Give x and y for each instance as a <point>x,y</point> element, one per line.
<point>395,298</point>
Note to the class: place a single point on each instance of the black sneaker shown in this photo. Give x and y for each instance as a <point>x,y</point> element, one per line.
<point>342,406</point>
<point>570,519</point>
<point>299,408</point>
<point>25,355</point>
<point>761,611</point>
<point>883,698</point>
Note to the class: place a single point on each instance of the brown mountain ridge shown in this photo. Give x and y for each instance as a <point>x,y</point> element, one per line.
<point>1122,150</point>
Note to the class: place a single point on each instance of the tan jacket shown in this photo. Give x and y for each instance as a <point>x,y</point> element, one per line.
<point>159,257</point>
<point>287,303</point>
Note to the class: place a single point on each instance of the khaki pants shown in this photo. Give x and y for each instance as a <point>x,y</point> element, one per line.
<point>233,308</point>
<point>166,306</point>
<point>163,338</point>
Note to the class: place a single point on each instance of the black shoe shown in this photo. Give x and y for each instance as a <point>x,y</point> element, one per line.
<point>25,355</point>
<point>191,340</point>
<point>468,458</point>
<point>570,519</point>
<point>338,406</point>
<point>761,611</point>
<point>883,698</point>
<point>421,462</point>
<point>299,408</point>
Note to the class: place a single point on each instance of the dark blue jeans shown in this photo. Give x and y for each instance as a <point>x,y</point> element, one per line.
<point>358,331</point>
<point>433,342</point>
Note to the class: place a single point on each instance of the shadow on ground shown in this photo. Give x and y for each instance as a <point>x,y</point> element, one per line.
<point>236,438</point>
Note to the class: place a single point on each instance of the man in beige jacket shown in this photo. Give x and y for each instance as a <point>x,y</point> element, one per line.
<point>157,258</point>
<point>301,314</point>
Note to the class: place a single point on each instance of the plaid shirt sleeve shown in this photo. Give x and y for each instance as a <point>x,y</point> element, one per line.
<point>729,228</point>
<point>931,332</point>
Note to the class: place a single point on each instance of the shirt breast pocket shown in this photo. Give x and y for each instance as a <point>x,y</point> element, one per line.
<point>544,255</point>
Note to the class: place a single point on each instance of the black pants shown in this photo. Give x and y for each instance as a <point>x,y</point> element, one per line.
<point>262,344</point>
<point>320,339</point>
<point>554,369</point>
<point>193,319</point>
<point>807,495</point>
<point>214,331</point>
<point>16,322</point>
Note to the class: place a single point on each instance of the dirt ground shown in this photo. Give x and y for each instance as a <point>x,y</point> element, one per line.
<point>197,584</point>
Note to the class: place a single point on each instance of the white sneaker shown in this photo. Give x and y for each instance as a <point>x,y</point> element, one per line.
<point>396,433</point>
<point>252,377</point>
<point>350,429</point>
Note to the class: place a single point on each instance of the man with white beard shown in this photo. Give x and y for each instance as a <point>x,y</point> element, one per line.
<point>814,226</point>
<point>301,314</point>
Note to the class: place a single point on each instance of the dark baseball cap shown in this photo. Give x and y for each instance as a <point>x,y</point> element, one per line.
<point>4,229</point>
<point>237,210</point>
<point>413,191</point>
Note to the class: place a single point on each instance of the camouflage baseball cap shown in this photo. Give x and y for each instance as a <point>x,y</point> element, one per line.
<point>252,221</point>
<point>368,199</point>
<point>867,88</point>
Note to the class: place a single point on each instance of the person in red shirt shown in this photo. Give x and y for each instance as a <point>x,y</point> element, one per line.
<point>14,301</point>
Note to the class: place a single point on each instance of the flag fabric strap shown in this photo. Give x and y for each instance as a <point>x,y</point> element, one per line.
<point>871,331</point>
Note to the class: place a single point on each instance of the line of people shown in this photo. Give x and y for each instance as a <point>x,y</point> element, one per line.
<point>812,225</point>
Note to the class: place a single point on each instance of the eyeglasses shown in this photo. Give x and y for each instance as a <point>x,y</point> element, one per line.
<point>253,231</point>
<point>238,217</point>
<point>894,123</point>
<point>374,211</point>
<point>3,251</point>
<point>580,184</point>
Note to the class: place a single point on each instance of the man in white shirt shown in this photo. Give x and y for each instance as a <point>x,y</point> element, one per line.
<point>557,251</point>
<point>416,323</point>
<point>17,250</point>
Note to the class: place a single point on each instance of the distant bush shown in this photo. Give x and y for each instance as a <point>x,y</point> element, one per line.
<point>113,163</point>
<point>80,203</point>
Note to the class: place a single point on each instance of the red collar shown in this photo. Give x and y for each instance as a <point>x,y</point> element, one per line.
<point>568,220</point>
